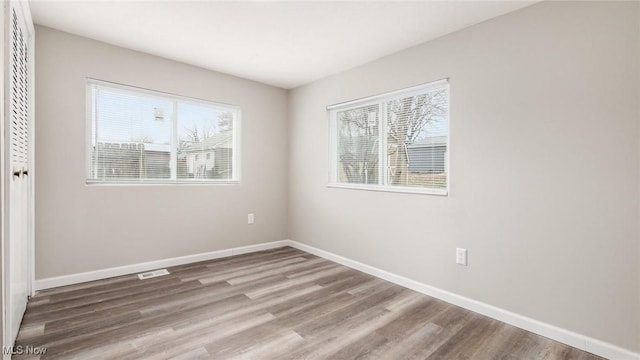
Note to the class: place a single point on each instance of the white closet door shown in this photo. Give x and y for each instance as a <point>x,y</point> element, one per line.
<point>18,184</point>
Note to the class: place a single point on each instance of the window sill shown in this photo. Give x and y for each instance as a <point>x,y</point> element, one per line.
<point>397,189</point>
<point>158,182</point>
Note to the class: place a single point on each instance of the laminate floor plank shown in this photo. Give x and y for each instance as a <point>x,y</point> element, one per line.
<point>93,303</point>
<point>224,273</point>
<point>274,304</point>
<point>198,335</point>
<point>86,340</point>
<point>91,312</point>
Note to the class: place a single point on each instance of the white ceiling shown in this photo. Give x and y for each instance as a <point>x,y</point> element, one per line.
<point>286,44</point>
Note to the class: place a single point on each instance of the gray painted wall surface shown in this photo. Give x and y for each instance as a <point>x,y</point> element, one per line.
<point>82,228</point>
<point>544,168</point>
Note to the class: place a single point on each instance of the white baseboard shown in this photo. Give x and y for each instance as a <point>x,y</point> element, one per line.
<point>571,338</point>
<point>57,281</point>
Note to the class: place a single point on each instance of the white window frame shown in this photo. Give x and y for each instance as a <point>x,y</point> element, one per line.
<point>379,99</point>
<point>174,99</point>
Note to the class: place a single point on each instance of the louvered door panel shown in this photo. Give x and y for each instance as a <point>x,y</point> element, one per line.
<point>19,99</point>
<point>19,152</point>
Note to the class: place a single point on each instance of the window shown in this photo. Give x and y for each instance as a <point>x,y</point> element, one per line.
<point>143,136</point>
<point>396,141</point>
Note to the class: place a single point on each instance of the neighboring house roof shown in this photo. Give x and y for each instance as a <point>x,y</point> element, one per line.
<point>220,140</point>
<point>429,142</point>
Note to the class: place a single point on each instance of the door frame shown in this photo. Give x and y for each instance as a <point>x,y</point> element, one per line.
<point>31,249</point>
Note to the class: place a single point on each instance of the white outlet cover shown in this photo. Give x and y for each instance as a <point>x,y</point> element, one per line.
<point>461,256</point>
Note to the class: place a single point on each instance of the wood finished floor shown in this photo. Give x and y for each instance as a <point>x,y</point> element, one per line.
<point>276,304</point>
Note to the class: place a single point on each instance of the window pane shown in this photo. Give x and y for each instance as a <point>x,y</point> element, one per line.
<point>205,142</point>
<point>131,136</point>
<point>139,134</point>
<point>358,145</point>
<point>417,128</point>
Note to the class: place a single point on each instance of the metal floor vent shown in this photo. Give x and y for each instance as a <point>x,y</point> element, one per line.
<point>152,274</point>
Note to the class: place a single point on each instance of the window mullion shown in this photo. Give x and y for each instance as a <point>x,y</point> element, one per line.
<point>97,147</point>
<point>173,162</point>
<point>383,144</point>
<point>333,153</point>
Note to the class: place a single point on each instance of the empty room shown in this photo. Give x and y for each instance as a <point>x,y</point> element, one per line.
<point>320,179</point>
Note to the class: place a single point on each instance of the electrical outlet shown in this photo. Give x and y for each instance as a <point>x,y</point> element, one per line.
<point>461,256</point>
<point>250,219</point>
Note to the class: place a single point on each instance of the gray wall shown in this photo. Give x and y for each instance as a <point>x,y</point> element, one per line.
<point>81,228</point>
<point>544,169</point>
